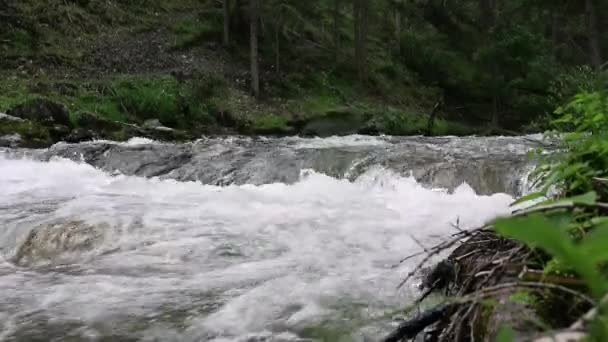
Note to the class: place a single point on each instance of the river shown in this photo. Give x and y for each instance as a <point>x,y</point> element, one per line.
<point>235,239</point>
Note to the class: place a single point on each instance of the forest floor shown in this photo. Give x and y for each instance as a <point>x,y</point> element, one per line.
<point>136,65</point>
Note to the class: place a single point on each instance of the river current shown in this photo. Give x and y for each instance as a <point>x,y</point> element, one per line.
<point>235,239</point>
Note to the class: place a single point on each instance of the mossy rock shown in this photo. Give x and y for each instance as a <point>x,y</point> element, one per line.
<point>42,111</point>
<point>336,122</point>
<point>34,135</point>
<point>96,122</point>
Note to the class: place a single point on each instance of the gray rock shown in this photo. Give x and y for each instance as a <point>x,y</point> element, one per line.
<point>11,140</point>
<point>53,243</point>
<point>6,117</point>
<point>152,123</point>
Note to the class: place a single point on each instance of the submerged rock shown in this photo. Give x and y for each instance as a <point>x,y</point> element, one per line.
<point>53,243</point>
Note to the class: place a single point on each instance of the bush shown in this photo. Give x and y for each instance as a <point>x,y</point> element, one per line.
<point>584,152</point>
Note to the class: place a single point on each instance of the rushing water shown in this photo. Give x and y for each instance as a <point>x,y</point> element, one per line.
<point>234,239</point>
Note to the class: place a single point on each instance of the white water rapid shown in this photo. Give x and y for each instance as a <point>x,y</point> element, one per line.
<point>91,255</point>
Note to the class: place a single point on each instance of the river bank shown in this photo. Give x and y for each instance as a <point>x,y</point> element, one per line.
<point>162,65</point>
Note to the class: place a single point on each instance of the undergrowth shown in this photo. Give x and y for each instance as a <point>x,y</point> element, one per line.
<point>572,227</point>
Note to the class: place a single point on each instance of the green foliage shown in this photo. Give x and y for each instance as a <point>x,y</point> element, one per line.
<point>396,122</point>
<point>584,152</point>
<point>523,297</point>
<point>505,334</point>
<point>270,124</point>
<point>149,99</point>
<point>552,236</point>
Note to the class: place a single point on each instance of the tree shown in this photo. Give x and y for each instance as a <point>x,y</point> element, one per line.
<point>254,16</point>
<point>226,11</point>
<point>336,29</point>
<point>593,34</point>
<point>361,15</point>
<point>488,19</point>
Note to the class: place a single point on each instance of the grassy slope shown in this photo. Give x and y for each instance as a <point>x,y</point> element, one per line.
<point>116,61</point>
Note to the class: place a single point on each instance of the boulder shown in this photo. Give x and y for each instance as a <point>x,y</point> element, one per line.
<point>97,123</point>
<point>58,132</point>
<point>80,134</point>
<point>11,140</point>
<point>43,111</point>
<point>56,243</point>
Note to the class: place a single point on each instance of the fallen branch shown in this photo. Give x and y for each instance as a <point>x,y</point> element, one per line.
<point>409,329</point>
<point>435,251</point>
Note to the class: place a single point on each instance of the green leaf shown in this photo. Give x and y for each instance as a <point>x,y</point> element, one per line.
<point>505,334</point>
<point>589,198</point>
<point>595,244</point>
<point>552,236</point>
<point>529,197</point>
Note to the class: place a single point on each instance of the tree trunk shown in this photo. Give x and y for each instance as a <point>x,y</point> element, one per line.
<point>556,36</point>
<point>360,8</point>
<point>364,33</point>
<point>255,73</point>
<point>487,10</point>
<point>593,34</point>
<point>336,13</point>
<point>398,29</point>
<point>226,10</point>
<point>357,23</point>
<point>277,42</point>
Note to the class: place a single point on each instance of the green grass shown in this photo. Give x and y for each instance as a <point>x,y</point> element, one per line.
<point>189,32</point>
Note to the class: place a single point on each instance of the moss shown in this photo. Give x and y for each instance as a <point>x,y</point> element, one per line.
<point>270,124</point>
<point>445,127</point>
<point>33,134</point>
<point>558,268</point>
<point>524,297</point>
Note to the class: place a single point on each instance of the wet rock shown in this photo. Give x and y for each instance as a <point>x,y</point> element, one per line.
<point>80,134</point>
<point>43,111</point>
<point>99,124</point>
<point>152,124</point>
<point>54,243</point>
<point>59,132</point>
<point>11,140</point>
<point>338,122</point>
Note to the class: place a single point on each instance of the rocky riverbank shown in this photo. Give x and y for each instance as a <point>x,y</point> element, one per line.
<point>40,123</point>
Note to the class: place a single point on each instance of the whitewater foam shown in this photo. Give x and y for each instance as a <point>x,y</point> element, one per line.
<point>189,262</point>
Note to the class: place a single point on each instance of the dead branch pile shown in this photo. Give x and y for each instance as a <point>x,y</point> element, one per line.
<point>479,278</point>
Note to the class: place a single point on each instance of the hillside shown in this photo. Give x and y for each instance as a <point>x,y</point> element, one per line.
<point>163,64</point>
